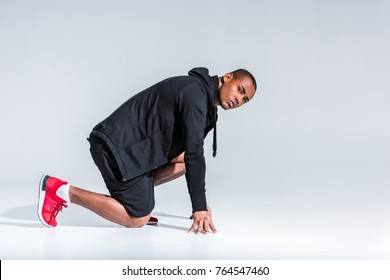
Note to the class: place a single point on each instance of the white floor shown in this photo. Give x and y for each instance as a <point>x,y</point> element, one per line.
<point>267,223</point>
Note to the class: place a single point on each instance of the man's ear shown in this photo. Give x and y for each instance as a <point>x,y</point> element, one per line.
<point>227,77</point>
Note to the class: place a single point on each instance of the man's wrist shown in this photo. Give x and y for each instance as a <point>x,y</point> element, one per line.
<point>198,200</point>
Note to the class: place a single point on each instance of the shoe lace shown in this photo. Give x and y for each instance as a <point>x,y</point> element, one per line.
<point>57,208</point>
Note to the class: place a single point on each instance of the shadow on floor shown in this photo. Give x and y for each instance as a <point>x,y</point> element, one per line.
<point>26,213</point>
<point>72,217</point>
<point>161,225</point>
<point>27,216</point>
<point>22,224</point>
<point>24,216</point>
<point>160,214</point>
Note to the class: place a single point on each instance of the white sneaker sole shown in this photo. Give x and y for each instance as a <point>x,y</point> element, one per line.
<point>41,198</point>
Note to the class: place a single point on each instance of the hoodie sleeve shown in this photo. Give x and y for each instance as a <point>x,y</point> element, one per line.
<point>193,110</point>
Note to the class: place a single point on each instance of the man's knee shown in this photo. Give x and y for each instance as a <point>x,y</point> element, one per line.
<point>137,222</point>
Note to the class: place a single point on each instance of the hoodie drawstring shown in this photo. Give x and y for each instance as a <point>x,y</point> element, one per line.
<point>215,134</point>
<point>215,141</point>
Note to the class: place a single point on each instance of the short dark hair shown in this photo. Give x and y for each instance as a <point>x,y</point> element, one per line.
<point>244,73</point>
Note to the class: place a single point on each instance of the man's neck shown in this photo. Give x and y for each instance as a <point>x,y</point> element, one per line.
<point>217,100</point>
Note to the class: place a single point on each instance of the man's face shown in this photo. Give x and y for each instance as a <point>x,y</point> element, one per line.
<point>234,93</point>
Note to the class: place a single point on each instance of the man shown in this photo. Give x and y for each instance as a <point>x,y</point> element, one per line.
<point>154,137</point>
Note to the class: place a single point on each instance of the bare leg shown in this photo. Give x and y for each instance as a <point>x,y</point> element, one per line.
<point>110,209</point>
<point>106,207</point>
<point>170,172</point>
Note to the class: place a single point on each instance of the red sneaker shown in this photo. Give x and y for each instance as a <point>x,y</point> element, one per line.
<point>152,221</point>
<point>50,204</point>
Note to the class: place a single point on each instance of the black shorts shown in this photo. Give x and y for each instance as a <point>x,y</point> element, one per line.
<point>136,194</point>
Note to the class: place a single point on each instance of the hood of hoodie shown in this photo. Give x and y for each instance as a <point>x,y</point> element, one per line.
<point>211,84</point>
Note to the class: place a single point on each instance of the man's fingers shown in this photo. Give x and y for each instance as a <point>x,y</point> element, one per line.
<point>200,227</point>
<point>206,228</point>
<point>192,228</point>
<point>213,228</point>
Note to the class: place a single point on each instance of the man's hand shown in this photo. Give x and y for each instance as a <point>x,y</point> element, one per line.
<point>203,222</point>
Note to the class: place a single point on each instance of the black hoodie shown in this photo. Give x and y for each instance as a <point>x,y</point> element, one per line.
<point>159,123</point>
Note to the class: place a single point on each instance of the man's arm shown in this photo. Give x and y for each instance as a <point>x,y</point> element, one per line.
<point>193,111</point>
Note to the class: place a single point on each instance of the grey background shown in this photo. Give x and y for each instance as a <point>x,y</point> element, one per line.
<point>301,172</point>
